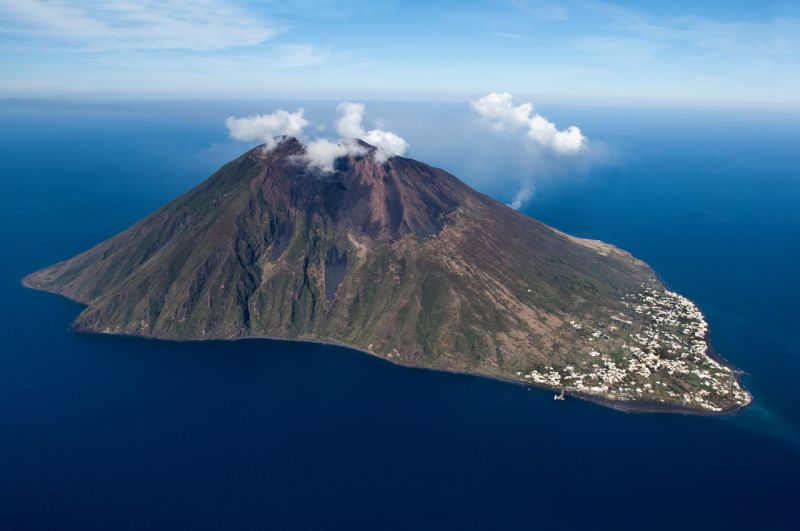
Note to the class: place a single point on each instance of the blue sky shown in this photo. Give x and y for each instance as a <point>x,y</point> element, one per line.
<point>721,52</point>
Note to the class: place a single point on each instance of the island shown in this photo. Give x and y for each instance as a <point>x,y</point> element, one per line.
<point>406,262</point>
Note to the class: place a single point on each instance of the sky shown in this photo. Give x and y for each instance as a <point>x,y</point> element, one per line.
<point>711,52</point>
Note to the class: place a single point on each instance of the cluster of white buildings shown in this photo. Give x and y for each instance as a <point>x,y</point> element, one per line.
<point>665,359</point>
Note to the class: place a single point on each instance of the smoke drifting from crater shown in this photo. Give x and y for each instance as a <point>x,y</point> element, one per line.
<point>321,153</point>
<point>349,127</point>
<point>548,150</point>
<point>267,127</point>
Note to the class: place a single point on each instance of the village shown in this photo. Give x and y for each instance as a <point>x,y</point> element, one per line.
<point>663,358</point>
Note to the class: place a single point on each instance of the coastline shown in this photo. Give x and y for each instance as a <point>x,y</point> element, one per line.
<point>713,354</point>
<point>624,406</point>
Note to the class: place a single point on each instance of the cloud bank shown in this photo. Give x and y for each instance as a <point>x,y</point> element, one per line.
<point>499,110</point>
<point>321,153</point>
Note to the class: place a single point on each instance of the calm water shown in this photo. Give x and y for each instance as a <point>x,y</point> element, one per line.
<point>116,433</point>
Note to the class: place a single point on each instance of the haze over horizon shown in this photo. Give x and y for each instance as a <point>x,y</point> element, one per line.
<point>725,53</point>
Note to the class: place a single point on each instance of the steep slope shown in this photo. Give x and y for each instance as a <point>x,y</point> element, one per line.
<point>404,261</point>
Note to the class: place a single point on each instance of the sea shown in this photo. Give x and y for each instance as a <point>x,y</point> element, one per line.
<point>115,433</point>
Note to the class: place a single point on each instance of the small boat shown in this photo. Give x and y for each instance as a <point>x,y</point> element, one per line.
<point>559,396</point>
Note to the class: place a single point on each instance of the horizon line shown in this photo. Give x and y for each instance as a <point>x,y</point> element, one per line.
<point>540,100</point>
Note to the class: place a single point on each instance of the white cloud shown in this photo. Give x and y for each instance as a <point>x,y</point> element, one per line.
<point>388,143</point>
<point>498,109</point>
<point>266,127</point>
<point>145,24</point>
<point>349,123</point>
<point>544,151</point>
<point>322,153</point>
<point>570,140</point>
<point>349,127</point>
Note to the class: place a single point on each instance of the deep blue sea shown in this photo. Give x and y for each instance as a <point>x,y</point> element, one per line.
<point>112,433</point>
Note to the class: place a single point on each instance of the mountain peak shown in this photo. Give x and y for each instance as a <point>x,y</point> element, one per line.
<point>388,199</point>
<point>291,146</point>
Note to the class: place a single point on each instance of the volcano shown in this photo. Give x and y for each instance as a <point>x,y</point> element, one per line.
<point>404,261</point>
